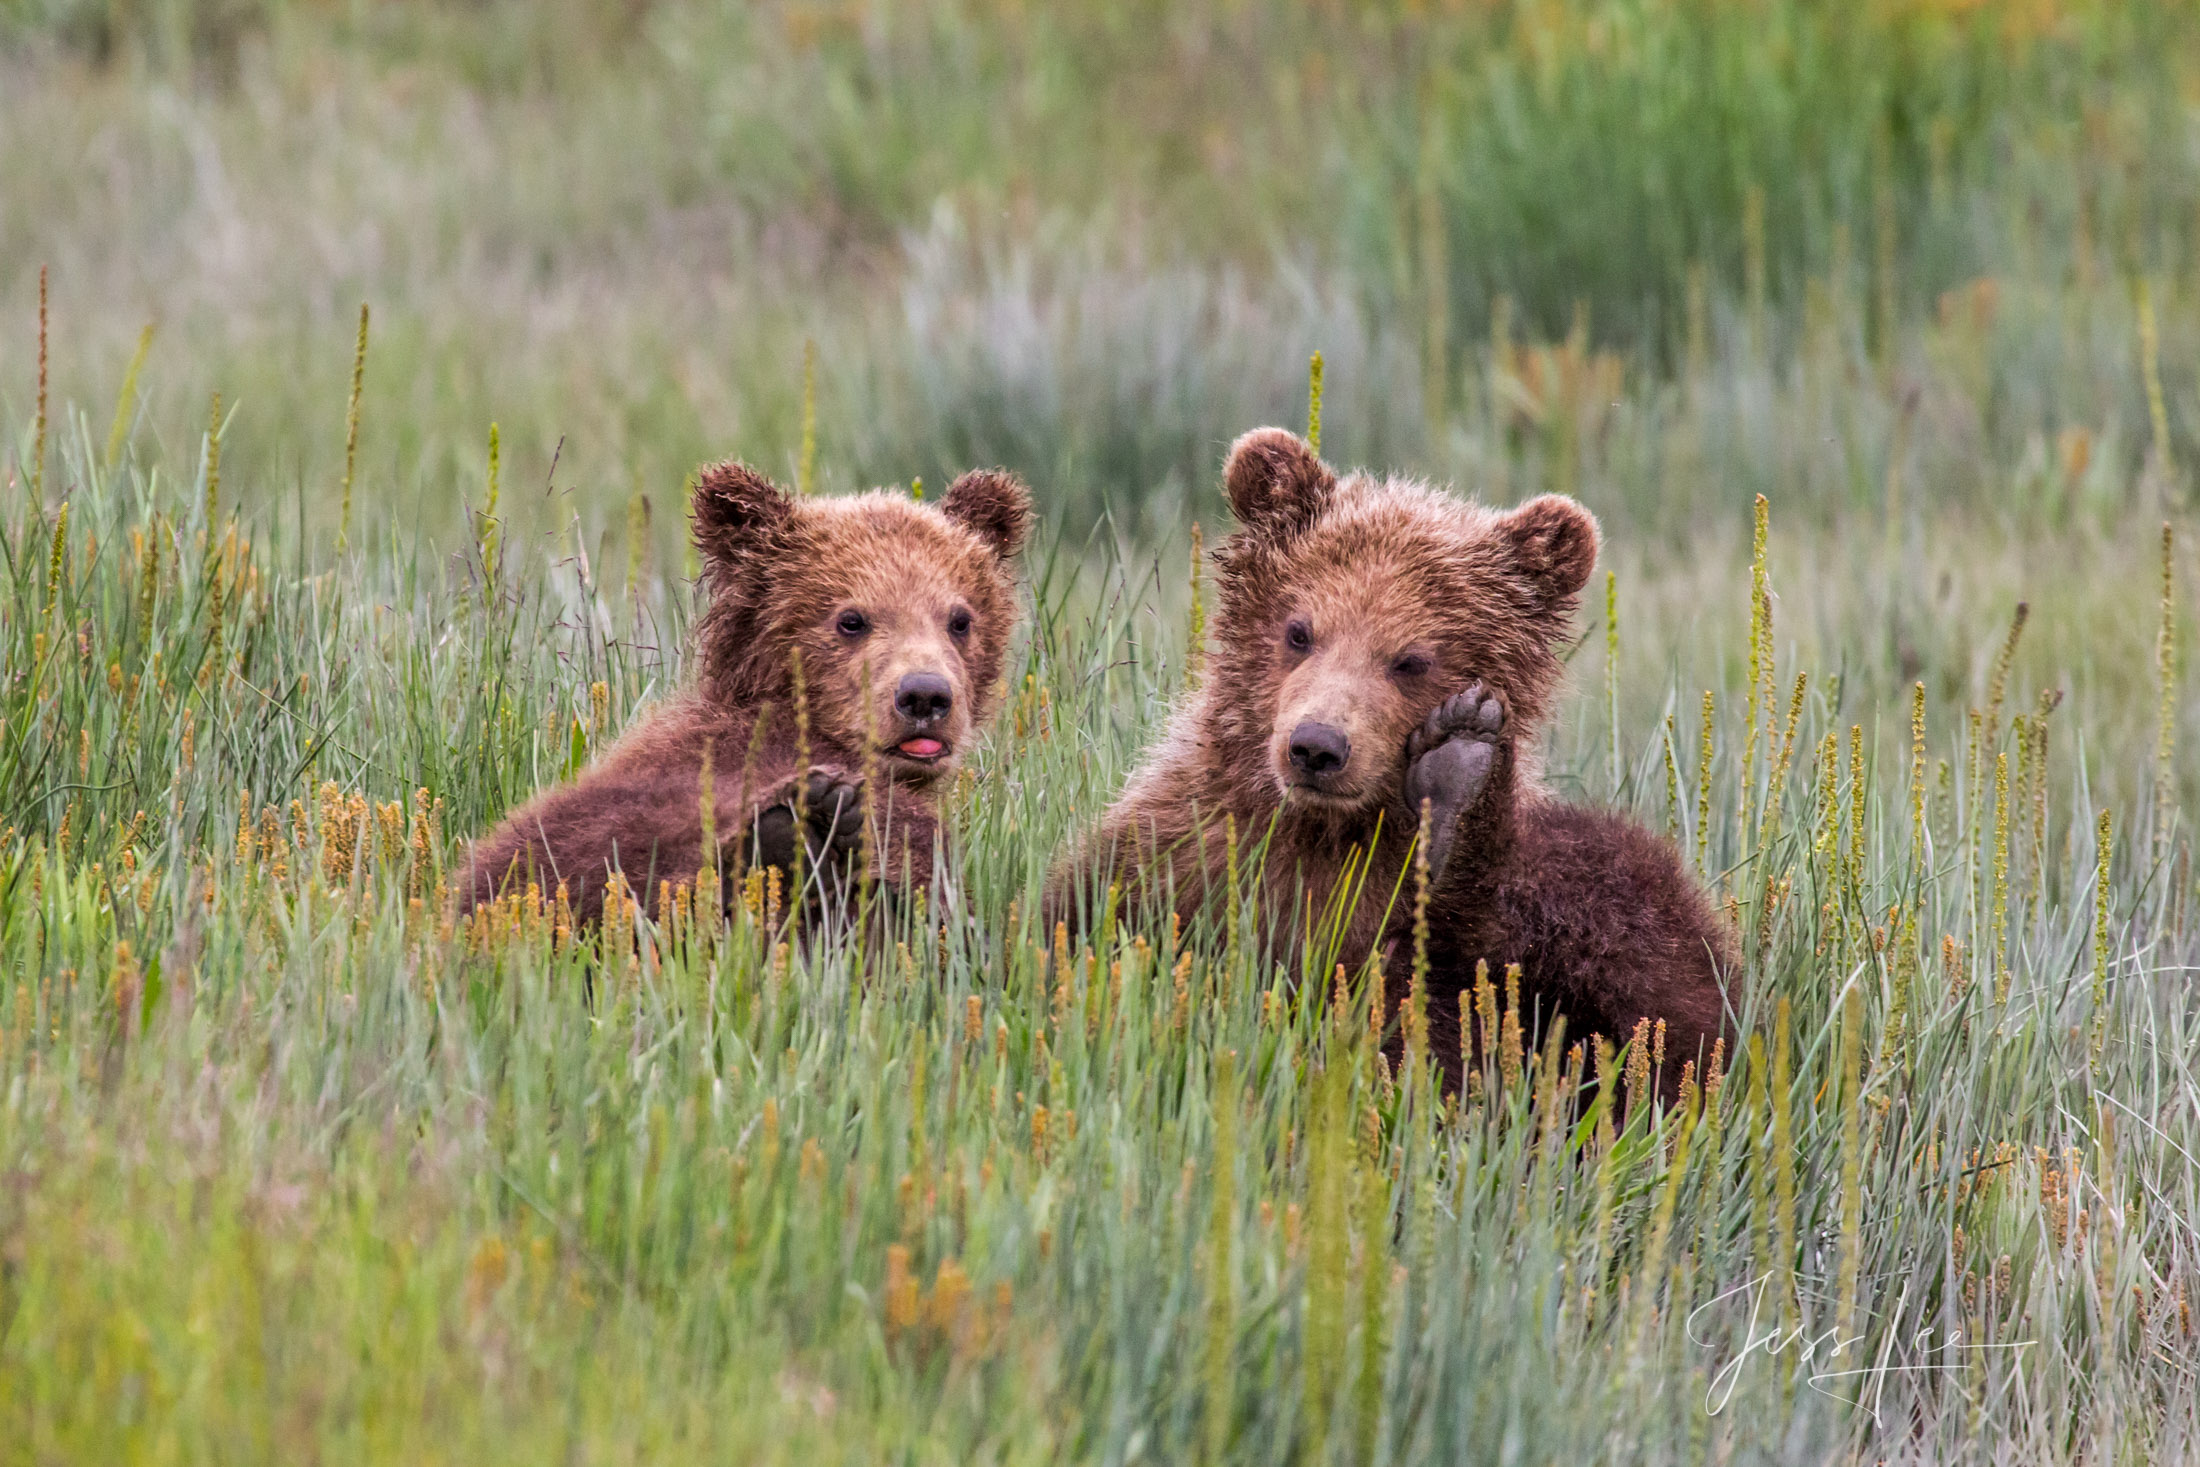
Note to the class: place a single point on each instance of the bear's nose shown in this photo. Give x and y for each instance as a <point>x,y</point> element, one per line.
<point>1318,750</point>
<point>924,696</point>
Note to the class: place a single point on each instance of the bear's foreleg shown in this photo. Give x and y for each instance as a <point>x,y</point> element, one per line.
<point>1460,764</point>
<point>818,818</point>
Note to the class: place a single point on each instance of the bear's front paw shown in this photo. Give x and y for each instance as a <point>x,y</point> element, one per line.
<point>1450,759</point>
<point>830,811</point>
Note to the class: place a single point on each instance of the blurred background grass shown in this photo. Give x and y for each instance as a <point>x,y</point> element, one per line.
<point>1664,253</point>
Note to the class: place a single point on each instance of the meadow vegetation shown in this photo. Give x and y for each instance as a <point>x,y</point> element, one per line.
<point>297,1166</point>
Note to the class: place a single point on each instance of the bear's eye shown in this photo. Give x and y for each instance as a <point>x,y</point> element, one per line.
<point>1298,636</point>
<point>853,623</point>
<point>958,623</point>
<point>1410,664</point>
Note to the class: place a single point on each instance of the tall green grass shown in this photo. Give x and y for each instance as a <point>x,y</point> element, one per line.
<point>300,1168</point>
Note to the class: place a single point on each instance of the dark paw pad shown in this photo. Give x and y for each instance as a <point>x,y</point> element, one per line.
<point>1449,761</point>
<point>829,810</point>
<point>1478,713</point>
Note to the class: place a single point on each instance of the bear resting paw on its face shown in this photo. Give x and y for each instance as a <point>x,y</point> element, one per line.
<point>1379,646</point>
<point>1450,761</point>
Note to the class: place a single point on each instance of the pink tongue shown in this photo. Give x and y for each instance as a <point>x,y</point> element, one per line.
<point>921,748</point>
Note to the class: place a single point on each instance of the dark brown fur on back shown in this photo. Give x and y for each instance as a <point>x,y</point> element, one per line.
<point>933,588</point>
<point>1357,606</point>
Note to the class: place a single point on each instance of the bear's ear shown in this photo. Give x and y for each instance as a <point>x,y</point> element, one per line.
<point>737,511</point>
<point>1275,482</point>
<point>1554,546</point>
<point>994,505</point>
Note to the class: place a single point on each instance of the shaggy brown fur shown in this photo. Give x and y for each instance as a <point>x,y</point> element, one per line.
<point>899,614</point>
<point>1349,610</point>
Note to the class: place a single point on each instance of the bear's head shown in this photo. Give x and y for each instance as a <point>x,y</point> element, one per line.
<point>1349,608</point>
<point>897,612</point>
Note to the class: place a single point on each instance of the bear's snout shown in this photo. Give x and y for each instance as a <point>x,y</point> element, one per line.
<point>1319,752</point>
<point>924,697</point>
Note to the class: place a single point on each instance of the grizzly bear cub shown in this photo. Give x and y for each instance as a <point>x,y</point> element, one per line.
<point>1379,644</point>
<point>895,615</point>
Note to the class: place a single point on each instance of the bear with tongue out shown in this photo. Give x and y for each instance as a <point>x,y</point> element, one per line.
<point>893,618</point>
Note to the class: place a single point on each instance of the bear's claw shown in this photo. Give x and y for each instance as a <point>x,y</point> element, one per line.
<point>1449,761</point>
<point>833,809</point>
